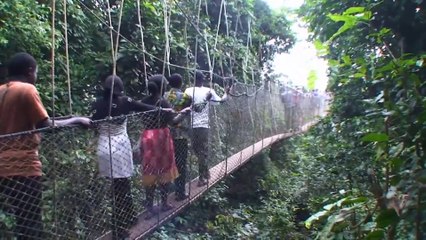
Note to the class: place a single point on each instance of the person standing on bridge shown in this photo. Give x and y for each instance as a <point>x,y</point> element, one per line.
<point>159,165</point>
<point>179,100</point>
<point>21,110</point>
<point>202,98</point>
<point>114,151</point>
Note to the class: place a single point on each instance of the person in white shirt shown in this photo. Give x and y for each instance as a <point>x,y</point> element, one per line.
<point>202,98</point>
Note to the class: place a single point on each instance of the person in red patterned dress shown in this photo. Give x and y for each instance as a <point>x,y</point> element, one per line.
<point>158,164</point>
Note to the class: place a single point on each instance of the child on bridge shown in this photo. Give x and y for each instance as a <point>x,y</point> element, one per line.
<point>159,166</point>
<point>179,100</point>
<point>21,110</point>
<point>116,162</point>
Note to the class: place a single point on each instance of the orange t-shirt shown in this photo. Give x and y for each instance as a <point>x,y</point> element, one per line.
<point>21,110</point>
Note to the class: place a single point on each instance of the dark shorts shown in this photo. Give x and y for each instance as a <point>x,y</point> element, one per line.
<point>200,144</point>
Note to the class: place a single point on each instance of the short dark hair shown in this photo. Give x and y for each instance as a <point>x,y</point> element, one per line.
<point>118,84</point>
<point>199,76</point>
<point>19,64</point>
<point>175,80</point>
<point>155,84</point>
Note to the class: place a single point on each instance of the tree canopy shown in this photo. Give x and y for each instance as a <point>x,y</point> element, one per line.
<point>240,36</point>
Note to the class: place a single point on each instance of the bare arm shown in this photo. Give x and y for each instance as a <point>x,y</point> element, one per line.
<point>214,99</point>
<point>83,121</point>
<point>138,106</point>
<point>181,115</point>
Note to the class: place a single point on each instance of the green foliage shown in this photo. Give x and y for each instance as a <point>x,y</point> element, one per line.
<point>24,25</point>
<point>377,80</point>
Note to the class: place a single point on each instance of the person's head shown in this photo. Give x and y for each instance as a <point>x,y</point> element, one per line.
<point>199,78</point>
<point>114,83</point>
<point>175,80</point>
<point>22,66</point>
<point>157,85</point>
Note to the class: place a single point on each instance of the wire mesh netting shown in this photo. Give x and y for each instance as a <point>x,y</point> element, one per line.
<point>124,177</point>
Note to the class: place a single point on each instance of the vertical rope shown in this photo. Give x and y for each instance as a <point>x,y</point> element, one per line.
<point>52,57</point>
<point>274,126</point>
<point>232,56</point>
<point>217,32</point>
<point>248,45</point>
<point>185,32</point>
<point>206,41</point>
<point>55,204</point>
<point>109,113</point>
<point>111,28</point>
<point>117,41</point>
<point>196,62</point>
<point>68,74</point>
<point>114,53</point>
<point>247,50</point>
<point>67,58</point>
<point>143,45</point>
<point>168,48</point>
<point>114,50</point>
<point>114,69</point>
<point>166,62</point>
<point>227,31</point>
<point>213,66</point>
<point>226,18</point>
<point>208,60</point>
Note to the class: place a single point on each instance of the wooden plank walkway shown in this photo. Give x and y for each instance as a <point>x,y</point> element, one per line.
<point>144,227</point>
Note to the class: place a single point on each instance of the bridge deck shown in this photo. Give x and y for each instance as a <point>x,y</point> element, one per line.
<point>144,227</point>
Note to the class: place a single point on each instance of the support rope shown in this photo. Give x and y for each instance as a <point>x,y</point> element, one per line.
<point>114,53</point>
<point>217,32</point>
<point>195,58</point>
<point>143,45</point>
<point>154,57</point>
<point>67,58</point>
<point>55,204</point>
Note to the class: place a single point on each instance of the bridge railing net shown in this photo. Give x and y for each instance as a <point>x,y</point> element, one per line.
<point>76,198</point>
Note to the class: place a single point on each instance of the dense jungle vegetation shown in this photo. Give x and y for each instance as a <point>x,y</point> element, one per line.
<point>238,41</point>
<point>360,173</point>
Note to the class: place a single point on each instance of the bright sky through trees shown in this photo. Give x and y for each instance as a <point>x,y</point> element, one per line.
<point>296,65</point>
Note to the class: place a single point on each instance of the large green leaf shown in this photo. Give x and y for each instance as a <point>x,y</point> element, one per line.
<point>376,235</point>
<point>386,218</point>
<point>375,137</point>
<point>317,216</point>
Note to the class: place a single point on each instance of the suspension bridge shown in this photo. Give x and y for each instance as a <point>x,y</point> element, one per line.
<point>78,202</point>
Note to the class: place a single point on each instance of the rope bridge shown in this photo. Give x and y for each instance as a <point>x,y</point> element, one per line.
<point>79,203</point>
<point>79,198</point>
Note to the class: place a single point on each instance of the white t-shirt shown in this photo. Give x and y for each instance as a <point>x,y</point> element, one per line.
<point>199,94</point>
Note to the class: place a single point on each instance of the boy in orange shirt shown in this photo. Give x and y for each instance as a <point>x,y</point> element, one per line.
<point>21,110</point>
